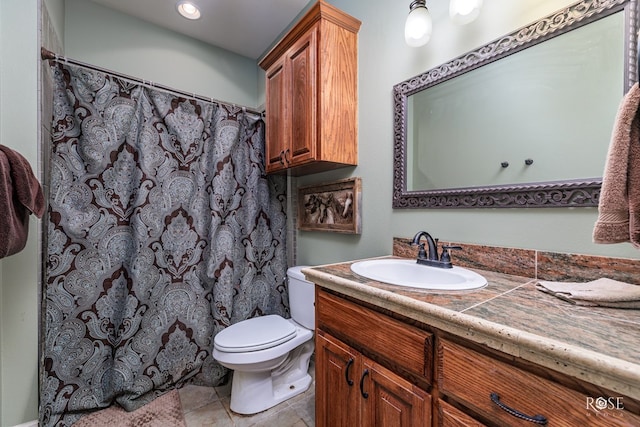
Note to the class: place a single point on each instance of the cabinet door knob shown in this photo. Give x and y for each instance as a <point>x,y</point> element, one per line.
<point>346,372</point>
<point>362,392</point>
<point>287,156</point>
<point>536,419</point>
<point>282,157</point>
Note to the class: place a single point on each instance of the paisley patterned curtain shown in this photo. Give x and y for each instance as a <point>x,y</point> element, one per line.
<point>162,230</point>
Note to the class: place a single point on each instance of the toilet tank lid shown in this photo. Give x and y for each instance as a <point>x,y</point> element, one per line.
<point>296,273</point>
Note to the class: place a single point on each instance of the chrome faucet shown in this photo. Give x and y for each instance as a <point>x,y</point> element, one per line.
<point>431,257</point>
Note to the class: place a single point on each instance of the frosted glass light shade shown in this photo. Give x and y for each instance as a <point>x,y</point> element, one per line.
<point>418,27</point>
<point>463,12</point>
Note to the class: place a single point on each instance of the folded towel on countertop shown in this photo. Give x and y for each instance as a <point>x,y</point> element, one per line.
<point>619,204</point>
<point>20,195</point>
<point>601,292</point>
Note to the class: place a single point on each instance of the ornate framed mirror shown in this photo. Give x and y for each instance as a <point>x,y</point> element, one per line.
<point>525,119</point>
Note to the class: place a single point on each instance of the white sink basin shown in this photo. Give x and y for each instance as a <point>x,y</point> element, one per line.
<point>406,272</point>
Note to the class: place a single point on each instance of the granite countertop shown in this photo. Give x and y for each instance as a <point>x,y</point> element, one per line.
<point>597,345</point>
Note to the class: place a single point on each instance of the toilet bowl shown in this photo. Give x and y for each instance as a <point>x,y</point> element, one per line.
<point>270,355</point>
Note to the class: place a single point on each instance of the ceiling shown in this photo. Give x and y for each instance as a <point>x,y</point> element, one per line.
<point>246,27</point>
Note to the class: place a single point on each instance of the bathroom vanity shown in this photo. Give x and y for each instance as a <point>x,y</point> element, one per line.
<point>504,355</point>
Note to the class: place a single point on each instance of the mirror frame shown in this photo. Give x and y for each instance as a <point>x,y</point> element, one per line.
<point>560,193</point>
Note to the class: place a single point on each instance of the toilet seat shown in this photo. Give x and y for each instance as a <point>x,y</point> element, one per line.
<point>258,333</point>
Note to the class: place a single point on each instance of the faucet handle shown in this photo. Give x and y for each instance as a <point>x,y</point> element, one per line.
<point>446,256</point>
<point>451,247</point>
<point>421,252</point>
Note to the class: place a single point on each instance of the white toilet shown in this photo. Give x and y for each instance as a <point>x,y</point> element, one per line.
<point>270,355</point>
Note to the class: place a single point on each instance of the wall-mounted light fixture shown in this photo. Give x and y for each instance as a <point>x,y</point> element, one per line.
<point>463,12</point>
<point>188,10</point>
<point>417,28</point>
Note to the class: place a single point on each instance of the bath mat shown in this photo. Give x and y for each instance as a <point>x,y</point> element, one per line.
<point>164,411</point>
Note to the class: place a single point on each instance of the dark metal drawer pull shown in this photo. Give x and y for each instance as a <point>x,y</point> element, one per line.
<point>346,372</point>
<point>362,392</point>
<point>537,419</point>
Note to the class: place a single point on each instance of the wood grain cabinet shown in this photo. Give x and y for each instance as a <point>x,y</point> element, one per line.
<point>354,390</point>
<point>509,396</point>
<point>377,368</point>
<point>449,416</point>
<point>311,94</point>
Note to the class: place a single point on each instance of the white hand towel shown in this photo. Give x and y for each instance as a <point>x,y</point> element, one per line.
<point>602,292</point>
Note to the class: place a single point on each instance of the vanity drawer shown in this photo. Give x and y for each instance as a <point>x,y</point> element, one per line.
<point>401,345</point>
<point>448,416</point>
<point>471,378</point>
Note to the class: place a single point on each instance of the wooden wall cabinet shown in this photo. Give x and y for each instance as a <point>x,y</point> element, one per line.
<point>381,369</point>
<point>311,94</point>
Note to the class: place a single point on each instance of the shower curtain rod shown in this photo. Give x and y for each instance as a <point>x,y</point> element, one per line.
<point>51,56</point>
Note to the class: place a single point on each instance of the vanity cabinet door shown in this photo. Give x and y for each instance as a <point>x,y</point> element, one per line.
<point>392,401</point>
<point>352,390</point>
<point>337,392</point>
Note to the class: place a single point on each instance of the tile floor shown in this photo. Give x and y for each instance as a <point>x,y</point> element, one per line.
<point>209,407</point>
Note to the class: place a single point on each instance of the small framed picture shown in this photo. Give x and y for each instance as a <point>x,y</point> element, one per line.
<point>334,206</point>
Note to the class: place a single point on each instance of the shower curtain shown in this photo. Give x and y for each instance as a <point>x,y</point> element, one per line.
<point>162,230</point>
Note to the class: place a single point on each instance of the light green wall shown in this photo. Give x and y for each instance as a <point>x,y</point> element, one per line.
<point>19,50</point>
<point>109,39</point>
<point>55,10</point>
<point>385,60</point>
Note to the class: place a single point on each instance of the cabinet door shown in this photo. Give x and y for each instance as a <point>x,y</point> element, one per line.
<point>391,401</point>
<point>303,102</point>
<point>277,135</point>
<point>337,393</point>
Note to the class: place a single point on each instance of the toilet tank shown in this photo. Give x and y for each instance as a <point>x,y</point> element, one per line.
<point>301,298</point>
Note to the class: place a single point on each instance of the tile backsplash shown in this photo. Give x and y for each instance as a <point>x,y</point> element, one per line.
<point>532,263</point>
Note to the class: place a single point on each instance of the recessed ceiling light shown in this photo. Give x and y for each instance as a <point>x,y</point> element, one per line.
<point>188,10</point>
